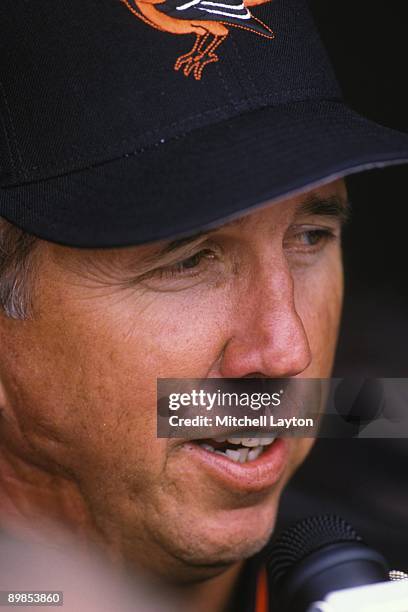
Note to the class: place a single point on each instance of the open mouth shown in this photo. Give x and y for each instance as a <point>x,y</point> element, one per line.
<point>239,450</point>
<point>244,465</point>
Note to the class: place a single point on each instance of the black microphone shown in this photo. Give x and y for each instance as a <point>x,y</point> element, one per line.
<point>319,555</point>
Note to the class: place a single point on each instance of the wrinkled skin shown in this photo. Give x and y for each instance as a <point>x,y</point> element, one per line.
<point>78,381</point>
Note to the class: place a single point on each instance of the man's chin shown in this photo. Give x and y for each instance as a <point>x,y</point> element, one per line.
<point>197,566</point>
<point>224,557</point>
<point>212,550</point>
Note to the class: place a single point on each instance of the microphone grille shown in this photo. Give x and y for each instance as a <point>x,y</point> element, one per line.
<point>305,537</point>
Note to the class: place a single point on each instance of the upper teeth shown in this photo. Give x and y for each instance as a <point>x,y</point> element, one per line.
<point>241,455</point>
<point>250,442</point>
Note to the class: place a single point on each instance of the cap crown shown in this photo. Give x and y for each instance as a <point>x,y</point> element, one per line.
<point>88,81</point>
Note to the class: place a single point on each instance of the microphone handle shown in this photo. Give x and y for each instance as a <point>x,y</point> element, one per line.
<point>339,566</point>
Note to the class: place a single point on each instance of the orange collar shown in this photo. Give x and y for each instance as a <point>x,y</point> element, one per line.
<point>262,595</point>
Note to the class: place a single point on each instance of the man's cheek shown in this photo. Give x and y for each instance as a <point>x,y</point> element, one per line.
<point>180,347</point>
<point>301,451</point>
<point>100,421</point>
<point>318,303</point>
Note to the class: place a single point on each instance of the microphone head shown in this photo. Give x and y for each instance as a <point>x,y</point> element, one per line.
<point>305,537</point>
<point>317,555</point>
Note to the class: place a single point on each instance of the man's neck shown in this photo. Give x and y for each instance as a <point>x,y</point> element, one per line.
<point>213,595</point>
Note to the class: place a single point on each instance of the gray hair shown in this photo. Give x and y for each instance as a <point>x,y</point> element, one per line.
<point>16,264</point>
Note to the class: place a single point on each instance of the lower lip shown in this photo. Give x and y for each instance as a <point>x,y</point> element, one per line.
<point>252,476</point>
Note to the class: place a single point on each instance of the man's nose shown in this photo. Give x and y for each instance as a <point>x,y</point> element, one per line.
<point>268,337</point>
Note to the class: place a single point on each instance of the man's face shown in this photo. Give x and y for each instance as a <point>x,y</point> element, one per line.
<point>258,297</point>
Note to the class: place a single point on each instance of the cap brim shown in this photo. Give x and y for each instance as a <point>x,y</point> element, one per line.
<point>203,178</point>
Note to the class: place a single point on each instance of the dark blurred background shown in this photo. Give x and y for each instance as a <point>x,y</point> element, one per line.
<point>366,481</point>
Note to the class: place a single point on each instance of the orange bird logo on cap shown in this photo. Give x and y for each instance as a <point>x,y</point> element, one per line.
<point>209,20</point>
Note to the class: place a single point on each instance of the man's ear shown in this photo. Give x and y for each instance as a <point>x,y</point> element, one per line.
<point>6,411</point>
<point>5,408</point>
<point>2,397</point>
<point>3,392</point>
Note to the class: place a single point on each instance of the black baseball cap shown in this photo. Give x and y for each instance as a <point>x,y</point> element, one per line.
<point>127,121</point>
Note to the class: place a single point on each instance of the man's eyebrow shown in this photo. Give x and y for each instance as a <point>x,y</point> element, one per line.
<point>332,206</point>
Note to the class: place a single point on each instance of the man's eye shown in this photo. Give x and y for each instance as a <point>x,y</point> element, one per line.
<point>190,266</point>
<point>310,239</point>
<point>195,260</point>
<point>313,237</point>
